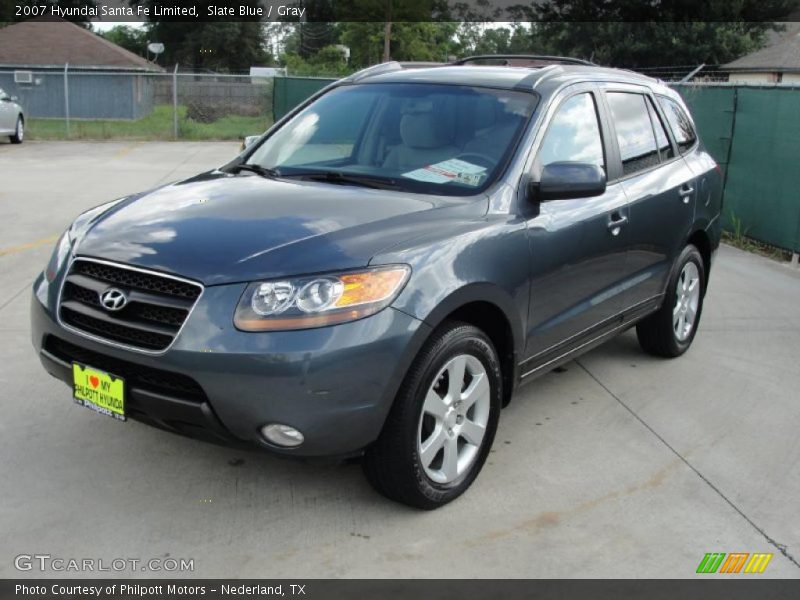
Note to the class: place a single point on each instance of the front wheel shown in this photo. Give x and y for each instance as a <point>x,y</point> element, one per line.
<point>19,132</point>
<point>442,424</point>
<point>669,331</point>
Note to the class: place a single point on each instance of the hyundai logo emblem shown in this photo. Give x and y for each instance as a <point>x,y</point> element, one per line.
<point>113,299</point>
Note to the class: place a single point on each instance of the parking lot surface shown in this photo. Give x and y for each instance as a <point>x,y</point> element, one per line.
<point>618,465</point>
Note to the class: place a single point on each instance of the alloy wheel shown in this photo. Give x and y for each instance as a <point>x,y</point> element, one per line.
<point>687,301</point>
<point>454,417</point>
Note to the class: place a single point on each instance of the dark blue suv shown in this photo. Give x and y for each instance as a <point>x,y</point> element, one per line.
<point>378,272</point>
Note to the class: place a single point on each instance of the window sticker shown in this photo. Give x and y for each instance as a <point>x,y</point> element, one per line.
<point>452,170</point>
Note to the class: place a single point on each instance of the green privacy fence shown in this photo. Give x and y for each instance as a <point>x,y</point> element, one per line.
<point>288,92</point>
<point>752,132</point>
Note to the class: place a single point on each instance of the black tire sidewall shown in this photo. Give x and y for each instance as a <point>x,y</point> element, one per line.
<point>15,137</point>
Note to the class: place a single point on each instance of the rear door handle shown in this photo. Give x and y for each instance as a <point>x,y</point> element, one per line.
<point>616,223</point>
<point>686,192</point>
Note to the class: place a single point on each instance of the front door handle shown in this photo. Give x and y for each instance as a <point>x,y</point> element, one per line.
<point>616,223</point>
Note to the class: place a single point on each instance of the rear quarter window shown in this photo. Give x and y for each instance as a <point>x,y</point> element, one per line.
<point>679,123</point>
<point>637,143</point>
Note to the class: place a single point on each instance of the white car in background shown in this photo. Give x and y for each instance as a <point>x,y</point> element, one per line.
<point>12,121</point>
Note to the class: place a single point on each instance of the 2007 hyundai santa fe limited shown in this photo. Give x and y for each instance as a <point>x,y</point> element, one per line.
<point>379,271</point>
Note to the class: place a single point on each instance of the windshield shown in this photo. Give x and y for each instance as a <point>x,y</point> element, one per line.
<point>441,139</point>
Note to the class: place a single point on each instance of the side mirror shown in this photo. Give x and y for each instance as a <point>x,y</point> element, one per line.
<point>13,98</point>
<point>249,140</point>
<point>568,180</point>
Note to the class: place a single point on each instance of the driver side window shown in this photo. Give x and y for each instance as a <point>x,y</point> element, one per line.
<point>573,134</point>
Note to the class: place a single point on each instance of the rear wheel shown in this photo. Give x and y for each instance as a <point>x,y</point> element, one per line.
<point>442,424</point>
<point>670,331</point>
<point>19,132</point>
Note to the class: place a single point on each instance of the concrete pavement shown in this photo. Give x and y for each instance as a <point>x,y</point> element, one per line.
<point>620,465</point>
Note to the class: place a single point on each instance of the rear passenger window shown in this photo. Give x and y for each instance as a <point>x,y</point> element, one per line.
<point>637,143</point>
<point>664,147</point>
<point>679,122</point>
<point>574,134</point>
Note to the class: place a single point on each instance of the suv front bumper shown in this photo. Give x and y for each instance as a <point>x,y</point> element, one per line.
<point>334,384</point>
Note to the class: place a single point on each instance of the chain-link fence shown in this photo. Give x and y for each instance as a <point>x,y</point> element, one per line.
<point>65,104</point>
<point>718,74</point>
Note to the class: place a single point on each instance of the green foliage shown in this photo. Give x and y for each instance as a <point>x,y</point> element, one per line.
<point>329,61</point>
<point>635,34</point>
<point>216,45</point>
<point>738,230</point>
<point>626,33</point>
<point>478,38</point>
<point>422,41</point>
<point>736,234</point>
<point>648,44</point>
<point>133,39</point>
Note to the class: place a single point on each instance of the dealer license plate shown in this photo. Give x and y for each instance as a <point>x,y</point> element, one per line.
<point>98,390</point>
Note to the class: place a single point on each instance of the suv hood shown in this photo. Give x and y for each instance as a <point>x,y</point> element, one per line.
<point>219,228</point>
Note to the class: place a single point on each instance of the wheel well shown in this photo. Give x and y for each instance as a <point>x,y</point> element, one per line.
<point>490,319</point>
<point>700,240</point>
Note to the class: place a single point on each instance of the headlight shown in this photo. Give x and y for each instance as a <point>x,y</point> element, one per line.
<point>60,253</point>
<point>319,300</point>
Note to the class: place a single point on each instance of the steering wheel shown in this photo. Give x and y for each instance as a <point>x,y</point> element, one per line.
<point>483,159</point>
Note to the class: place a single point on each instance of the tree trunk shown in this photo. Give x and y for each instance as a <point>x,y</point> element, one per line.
<point>387,33</point>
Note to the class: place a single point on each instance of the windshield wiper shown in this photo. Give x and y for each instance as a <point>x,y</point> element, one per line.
<point>257,169</point>
<point>381,183</point>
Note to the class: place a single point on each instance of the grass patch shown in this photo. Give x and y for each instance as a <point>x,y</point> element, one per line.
<point>750,245</point>
<point>737,235</point>
<point>158,125</point>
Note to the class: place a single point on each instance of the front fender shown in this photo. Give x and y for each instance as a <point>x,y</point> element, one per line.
<point>471,261</point>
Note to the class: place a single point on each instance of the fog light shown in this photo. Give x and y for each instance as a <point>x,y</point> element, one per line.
<point>282,435</point>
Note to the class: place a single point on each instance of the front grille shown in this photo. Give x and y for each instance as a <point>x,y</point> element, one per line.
<point>135,375</point>
<point>156,309</point>
<point>150,282</point>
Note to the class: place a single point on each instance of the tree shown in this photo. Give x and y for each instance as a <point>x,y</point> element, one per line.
<point>638,34</point>
<point>418,41</point>
<point>133,39</point>
<point>231,46</point>
<point>480,38</point>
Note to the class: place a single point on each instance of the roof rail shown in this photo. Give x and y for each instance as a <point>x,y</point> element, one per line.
<point>534,79</point>
<point>389,67</point>
<point>562,60</point>
<point>386,67</point>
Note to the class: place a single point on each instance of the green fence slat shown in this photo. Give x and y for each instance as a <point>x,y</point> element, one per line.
<point>288,92</point>
<point>758,145</point>
<point>763,189</point>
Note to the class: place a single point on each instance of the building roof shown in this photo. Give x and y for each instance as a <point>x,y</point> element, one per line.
<point>51,43</point>
<point>783,55</point>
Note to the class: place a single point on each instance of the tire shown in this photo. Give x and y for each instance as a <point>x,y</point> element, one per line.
<point>396,464</point>
<point>19,132</point>
<point>663,333</point>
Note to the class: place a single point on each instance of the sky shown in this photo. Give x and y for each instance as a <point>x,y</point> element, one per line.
<point>98,26</point>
